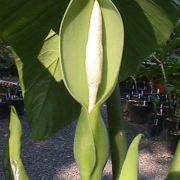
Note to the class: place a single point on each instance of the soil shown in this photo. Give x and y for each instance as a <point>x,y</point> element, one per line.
<point>53,159</point>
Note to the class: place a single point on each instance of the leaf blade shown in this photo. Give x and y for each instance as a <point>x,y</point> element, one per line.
<point>130,167</point>
<point>13,165</point>
<point>32,30</point>
<point>148,25</point>
<point>174,172</point>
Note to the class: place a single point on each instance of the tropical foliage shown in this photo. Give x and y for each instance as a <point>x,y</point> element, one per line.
<point>51,66</point>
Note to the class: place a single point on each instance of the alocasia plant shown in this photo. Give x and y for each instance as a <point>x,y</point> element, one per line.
<point>32,29</point>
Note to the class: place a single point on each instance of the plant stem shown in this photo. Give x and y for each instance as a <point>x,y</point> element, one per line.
<point>165,80</point>
<point>162,69</point>
<point>135,83</point>
<point>117,135</point>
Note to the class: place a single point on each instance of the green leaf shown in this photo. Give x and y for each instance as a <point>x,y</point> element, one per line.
<point>174,172</point>
<point>91,146</point>
<point>73,39</point>
<point>147,25</point>
<point>13,165</point>
<point>31,29</point>
<point>130,167</point>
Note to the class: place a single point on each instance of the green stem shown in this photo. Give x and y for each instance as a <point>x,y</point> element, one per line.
<point>164,75</point>
<point>165,80</point>
<point>135,83</point>
<point>151,85</point>
<point>163,70</point>
<point>117,135</point>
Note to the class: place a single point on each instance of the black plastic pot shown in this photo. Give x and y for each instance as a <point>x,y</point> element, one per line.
<point>166,110</point>
<point>139,113</point>
<point>129,91</point>
<point>173,138</point>
<point>19,105</point>
<point>156,124</point>
<point>127,106</point>
<point>4,110</point>
<point>173,123</point>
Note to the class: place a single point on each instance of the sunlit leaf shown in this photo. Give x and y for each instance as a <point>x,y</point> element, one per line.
<point>174,172</point>
<point>13,165</point>
<point>130,167</point>
<point>91,147</point>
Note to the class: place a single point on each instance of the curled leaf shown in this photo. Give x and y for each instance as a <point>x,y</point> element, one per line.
<point>13,165</point>
<point>91,146</point>
<point>73,40</point>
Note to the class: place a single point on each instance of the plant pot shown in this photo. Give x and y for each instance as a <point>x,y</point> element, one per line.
<point>173,138</point>
<point>173,123</point>
<point>130,91</point>
<point>159,86</point>
<point>127,107</point>
<point>4,109</point>
<point>156,124</point>
<point>166,110</point>
<point>146,103</point>
<point>139,113</point>
<point>19,105</point>
<point>124,104</point>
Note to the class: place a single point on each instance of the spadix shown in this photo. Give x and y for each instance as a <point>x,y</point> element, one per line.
<point>94,54</point>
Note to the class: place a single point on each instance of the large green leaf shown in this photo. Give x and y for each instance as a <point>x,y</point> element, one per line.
<point>130,167</point>
<point>73,39</point>
<point>13,165</point>
<point>31,28</point>
<point>147,25</point>
<point>174,172</point>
